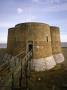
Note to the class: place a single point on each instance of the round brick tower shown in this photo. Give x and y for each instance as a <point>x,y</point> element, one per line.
<point>43,40</point>
<point>36,36</point>
<point>56,44</point>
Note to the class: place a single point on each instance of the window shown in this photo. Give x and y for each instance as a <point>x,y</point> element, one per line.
<point>47,38</point>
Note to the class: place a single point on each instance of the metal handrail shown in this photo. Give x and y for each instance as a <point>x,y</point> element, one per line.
<point>25,60</point>
<point>5,63</point>
<point>19,53</point>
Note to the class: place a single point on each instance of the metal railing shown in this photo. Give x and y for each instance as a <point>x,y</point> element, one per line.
<point>18,73</point>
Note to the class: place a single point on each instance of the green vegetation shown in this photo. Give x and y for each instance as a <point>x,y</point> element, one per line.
<point>48,80</point>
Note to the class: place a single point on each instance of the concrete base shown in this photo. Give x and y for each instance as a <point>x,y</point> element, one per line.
<point>43,64</point>
<point>59,58</point>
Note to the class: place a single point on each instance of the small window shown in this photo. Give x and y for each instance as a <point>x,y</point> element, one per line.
<point>47,38</point>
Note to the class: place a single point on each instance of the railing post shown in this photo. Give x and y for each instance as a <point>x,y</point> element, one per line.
<point>12,86</point>
<point>12,68</point>
<point>28,68</point>
<point>26,72</point>
<point>20,78</point>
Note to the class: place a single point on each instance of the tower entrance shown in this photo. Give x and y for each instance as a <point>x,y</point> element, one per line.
<point>29,46</point>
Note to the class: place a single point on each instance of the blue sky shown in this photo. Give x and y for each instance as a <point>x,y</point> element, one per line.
<point>52,12</point>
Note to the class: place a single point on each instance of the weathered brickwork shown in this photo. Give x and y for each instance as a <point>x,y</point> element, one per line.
<point>44,40</point>
<point>55,40</point>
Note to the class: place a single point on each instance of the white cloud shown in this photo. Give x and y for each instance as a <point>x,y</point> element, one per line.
<point>6,24</point>
<point>54,8</point>
<point>35,0</point>
<point>48,2</point>
<point>30,18</point>
<point>19,10</point>
<point>50,8</point>
<point>54,1</point>
<point>49,5</point>
<point>64,37</point>
<point>3,37</point>
<point>3,32</point>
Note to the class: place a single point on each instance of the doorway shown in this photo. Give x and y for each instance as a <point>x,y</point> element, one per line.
<point>29,46</point>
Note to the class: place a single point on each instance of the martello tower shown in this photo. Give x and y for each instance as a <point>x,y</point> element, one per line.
<point>44,40</point>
